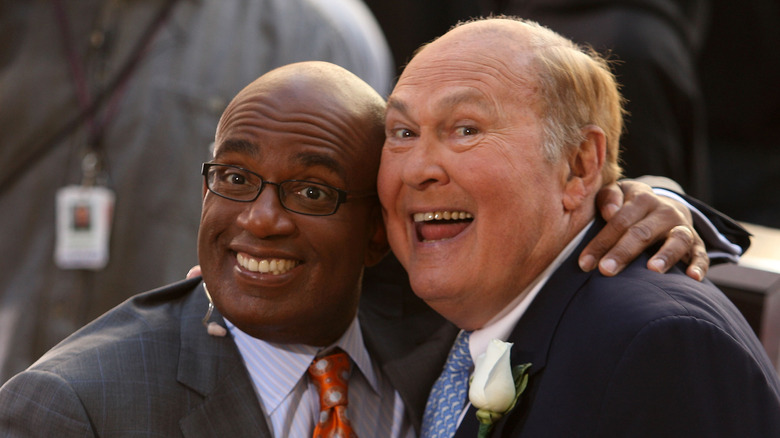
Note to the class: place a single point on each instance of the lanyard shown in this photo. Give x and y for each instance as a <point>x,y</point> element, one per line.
<point>37,151</point>
<point>96,125</point>
<point>75,64</point>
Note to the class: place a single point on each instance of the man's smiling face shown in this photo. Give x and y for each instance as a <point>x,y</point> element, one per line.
<point>466,188</point>
<point>278,275</point>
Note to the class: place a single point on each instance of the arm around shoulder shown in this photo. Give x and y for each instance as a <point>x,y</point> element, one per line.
<point>41,404</point>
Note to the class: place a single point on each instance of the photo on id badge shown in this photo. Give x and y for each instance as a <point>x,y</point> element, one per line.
<point>83,227</point>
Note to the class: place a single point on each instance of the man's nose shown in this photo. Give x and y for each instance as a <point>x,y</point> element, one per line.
<point>424,164</point>
<point>265,216</point>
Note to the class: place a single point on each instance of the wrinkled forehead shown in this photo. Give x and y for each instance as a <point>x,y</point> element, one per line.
<point>456,76</point>
<point>267,111</point>
<point>285,106</point>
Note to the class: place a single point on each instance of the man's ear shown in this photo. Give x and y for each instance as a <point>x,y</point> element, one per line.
<point>585,164</point>
<point>377,244</point>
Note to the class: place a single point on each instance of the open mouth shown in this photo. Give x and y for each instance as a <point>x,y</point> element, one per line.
<point>441,225</point>
<point>265,266</point>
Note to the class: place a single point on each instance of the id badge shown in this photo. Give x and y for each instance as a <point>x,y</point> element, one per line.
<point>83,227</point>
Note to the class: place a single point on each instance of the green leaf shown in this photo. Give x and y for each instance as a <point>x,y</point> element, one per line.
<point>520,374</point>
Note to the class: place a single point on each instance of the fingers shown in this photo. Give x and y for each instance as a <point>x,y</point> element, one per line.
<point>609,200</point>
<point>642,221</point>
<point>622,239</point>
<point>629,246</point>
<point>700,263</point>
<point>682,243</point>
<point>193,272</point>
<point>677,246</point>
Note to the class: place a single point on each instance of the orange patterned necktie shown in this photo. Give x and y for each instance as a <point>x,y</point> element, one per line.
<point>330,375</point>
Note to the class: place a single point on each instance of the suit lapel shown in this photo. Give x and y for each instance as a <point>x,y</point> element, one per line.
<point>213,367</point>
<point>409,341</point>
<point>413,373</point>
<point>534,333</point>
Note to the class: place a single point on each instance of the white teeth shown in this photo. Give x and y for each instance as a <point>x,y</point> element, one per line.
<point>266,266</point>
<point>439,215</point>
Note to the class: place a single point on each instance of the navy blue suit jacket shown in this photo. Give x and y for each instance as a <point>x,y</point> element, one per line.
<point>637,355</point>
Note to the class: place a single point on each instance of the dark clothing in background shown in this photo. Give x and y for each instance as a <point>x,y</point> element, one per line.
<point>740,73</point>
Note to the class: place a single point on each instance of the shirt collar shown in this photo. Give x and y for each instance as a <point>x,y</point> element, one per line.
<point>352,342</point>
<point>275,369</point>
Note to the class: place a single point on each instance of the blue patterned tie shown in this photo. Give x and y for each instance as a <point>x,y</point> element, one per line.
<point>448,395</point>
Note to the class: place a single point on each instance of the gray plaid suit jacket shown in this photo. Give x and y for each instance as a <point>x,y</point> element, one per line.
<point>149,368</point>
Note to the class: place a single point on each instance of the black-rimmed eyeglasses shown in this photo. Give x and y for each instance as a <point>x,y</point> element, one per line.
<point>303,197</point>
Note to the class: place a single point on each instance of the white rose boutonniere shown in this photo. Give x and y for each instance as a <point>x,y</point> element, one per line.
<point>492,386</point>
<point>495,386</point>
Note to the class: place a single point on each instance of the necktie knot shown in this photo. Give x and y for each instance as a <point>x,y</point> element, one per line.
<point>330,375</point>
<point>459,360</point>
